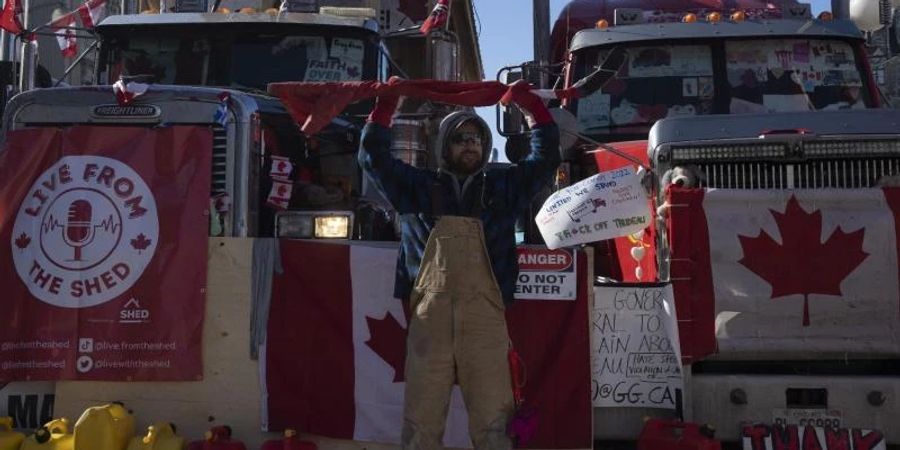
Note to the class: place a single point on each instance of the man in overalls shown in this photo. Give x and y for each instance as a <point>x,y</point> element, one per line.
<point>457,265</point>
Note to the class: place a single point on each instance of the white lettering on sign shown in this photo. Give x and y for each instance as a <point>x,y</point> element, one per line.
<point>605,206</point>
<point>546,274</point>
<point>793,437</point>
<point>85,233</point>
<point>635,354</point>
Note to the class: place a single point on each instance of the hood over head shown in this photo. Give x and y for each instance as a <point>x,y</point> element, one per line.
<point>450,124</point>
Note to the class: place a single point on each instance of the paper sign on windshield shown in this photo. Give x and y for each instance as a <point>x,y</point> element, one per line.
<point>605,206</point>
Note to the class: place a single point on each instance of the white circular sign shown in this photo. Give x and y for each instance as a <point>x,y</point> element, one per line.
<point>85,232</point>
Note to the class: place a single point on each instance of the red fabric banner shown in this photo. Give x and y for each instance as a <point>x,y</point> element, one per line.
<point>103,249</point>
<point>335,351</point>
<point>313,105</point>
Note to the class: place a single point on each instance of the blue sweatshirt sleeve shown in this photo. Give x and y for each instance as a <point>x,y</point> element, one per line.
<point>537,169</point>
<point>407,188</point>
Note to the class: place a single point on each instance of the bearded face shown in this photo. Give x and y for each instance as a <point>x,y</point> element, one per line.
<point>465,153</point>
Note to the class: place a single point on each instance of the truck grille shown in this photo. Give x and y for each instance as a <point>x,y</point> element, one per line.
<point>810,165</point>
<point>219,161</point>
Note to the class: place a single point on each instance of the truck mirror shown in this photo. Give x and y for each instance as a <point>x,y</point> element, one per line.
<point>510,121</point>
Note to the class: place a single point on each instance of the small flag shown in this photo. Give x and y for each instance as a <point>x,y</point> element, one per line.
<point>281,167</point>
<point>9,17</point>
<point>92,12</point>
<point>221,114</point>
<point>65,35</point>
<point>127,91</point>
<point>437,18</point>
<point>280,194</point>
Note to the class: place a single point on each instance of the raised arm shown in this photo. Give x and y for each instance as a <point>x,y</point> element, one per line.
<point>536,169</point>
<point>405,186</point>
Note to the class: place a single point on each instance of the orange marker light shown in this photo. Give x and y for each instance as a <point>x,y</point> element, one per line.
<point>714,17</point>
<point>602,24</point>
<point>689,18</point>
<point>738,16</point>
<point>223,11</point>
<point>247,10</point>
<point>826,16</point>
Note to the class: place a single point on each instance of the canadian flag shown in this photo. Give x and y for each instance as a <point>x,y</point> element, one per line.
<point>281,167</point>
<point>65,35</point>
<point>437,18</point>
<point>335,351</point>
<point>791,271</point>
<point>92,12</point>
<point>280,193</point>
<point>126,90</point>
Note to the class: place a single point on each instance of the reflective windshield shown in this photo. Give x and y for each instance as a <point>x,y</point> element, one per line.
<point>756,76</point>
<point>248,60</point>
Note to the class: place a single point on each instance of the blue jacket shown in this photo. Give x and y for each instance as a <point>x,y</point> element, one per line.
<point>496,196</point>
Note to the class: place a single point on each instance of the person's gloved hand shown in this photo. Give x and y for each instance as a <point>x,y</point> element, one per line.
<point>385,107</point>
<point>532,105</point>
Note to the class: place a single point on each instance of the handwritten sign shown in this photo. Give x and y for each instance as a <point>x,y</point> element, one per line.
<point>332,70</point>
<point>546,274</point>
<point>793,437</point>
<point>605,206</point>
<point>635,354</point>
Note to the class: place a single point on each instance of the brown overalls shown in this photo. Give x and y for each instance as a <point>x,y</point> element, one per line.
<point>457,332</point>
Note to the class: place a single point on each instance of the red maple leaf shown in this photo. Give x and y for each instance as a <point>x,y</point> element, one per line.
<point>388,340</point>
<point>802,264</point>
<point>22,241</point>
<point>141,242</point>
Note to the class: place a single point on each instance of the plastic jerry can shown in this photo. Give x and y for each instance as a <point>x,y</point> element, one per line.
<point>290,441</point>
<point>54,435</point>
<point>160,436</point>
<point>672,434</point>
<point>107,427</point>
<point>217,438</point>
<point>9,439</point>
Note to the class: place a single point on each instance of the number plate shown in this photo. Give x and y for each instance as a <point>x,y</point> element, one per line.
<point>816,417</point>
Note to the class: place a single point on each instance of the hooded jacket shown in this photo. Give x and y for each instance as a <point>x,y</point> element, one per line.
<point>495,196</point>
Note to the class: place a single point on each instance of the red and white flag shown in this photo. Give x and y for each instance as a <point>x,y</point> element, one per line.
<point>280,194</point>
<point>339,297</point>
<point>92,12</point>
<point>437,18</point>
<point>65,35</point>
<point>281,167</point>
<point>127,91</point>
<point>795,271</point>
<point>9,17</point>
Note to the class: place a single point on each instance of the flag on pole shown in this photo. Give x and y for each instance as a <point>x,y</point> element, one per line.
<point>92,12</point>
<point>437,18</point>
<point>127,91</point>
<point>65,35</point>
<point>9,17</point>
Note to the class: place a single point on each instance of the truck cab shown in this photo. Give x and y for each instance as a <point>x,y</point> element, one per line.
<point>213,68</point>
<point>756,104</point>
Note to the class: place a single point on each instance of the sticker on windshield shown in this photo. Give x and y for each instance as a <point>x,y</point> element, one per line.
<point>689,87</point>
<point>593,112</point>
<point>670,61</point>
<point>705,89</point>
<point>314,46</point>
<point>350,50</point>
<point>332,70</point>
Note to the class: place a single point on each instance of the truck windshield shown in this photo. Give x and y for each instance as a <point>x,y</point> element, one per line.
<point>243,60</point>
<point>731,77</point>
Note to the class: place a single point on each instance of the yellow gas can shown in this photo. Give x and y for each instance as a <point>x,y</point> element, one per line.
<point>107,427</point>
<point>54,435</point>
<point>160,436</point>
<point>9,439</point>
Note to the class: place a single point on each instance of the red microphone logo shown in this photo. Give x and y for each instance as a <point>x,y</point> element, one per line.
<point>79,229</point>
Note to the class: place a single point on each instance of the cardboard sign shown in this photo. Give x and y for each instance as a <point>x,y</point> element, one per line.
<point>635,353</point>
<point>793,437</point>
<point>605,206</point>
<point>333,70</point>
<point>546,274</point>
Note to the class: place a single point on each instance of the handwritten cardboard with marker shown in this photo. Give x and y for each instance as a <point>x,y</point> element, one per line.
<point>605,206</point>
<point>635,352</point>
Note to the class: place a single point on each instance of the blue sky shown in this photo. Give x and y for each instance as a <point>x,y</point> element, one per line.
<point>506,38</point>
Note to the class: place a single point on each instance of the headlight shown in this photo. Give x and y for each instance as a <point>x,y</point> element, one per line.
<point>314,224</point>
<point>333,227</point>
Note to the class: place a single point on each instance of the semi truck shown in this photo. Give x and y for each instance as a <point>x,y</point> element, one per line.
<point>756,104</point>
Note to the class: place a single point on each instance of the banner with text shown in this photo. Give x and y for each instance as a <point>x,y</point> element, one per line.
<point>546,274</point>
<point>29,403</point>
<point>103,252</point>
<point>635,353</point>
<point>605,206</point>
